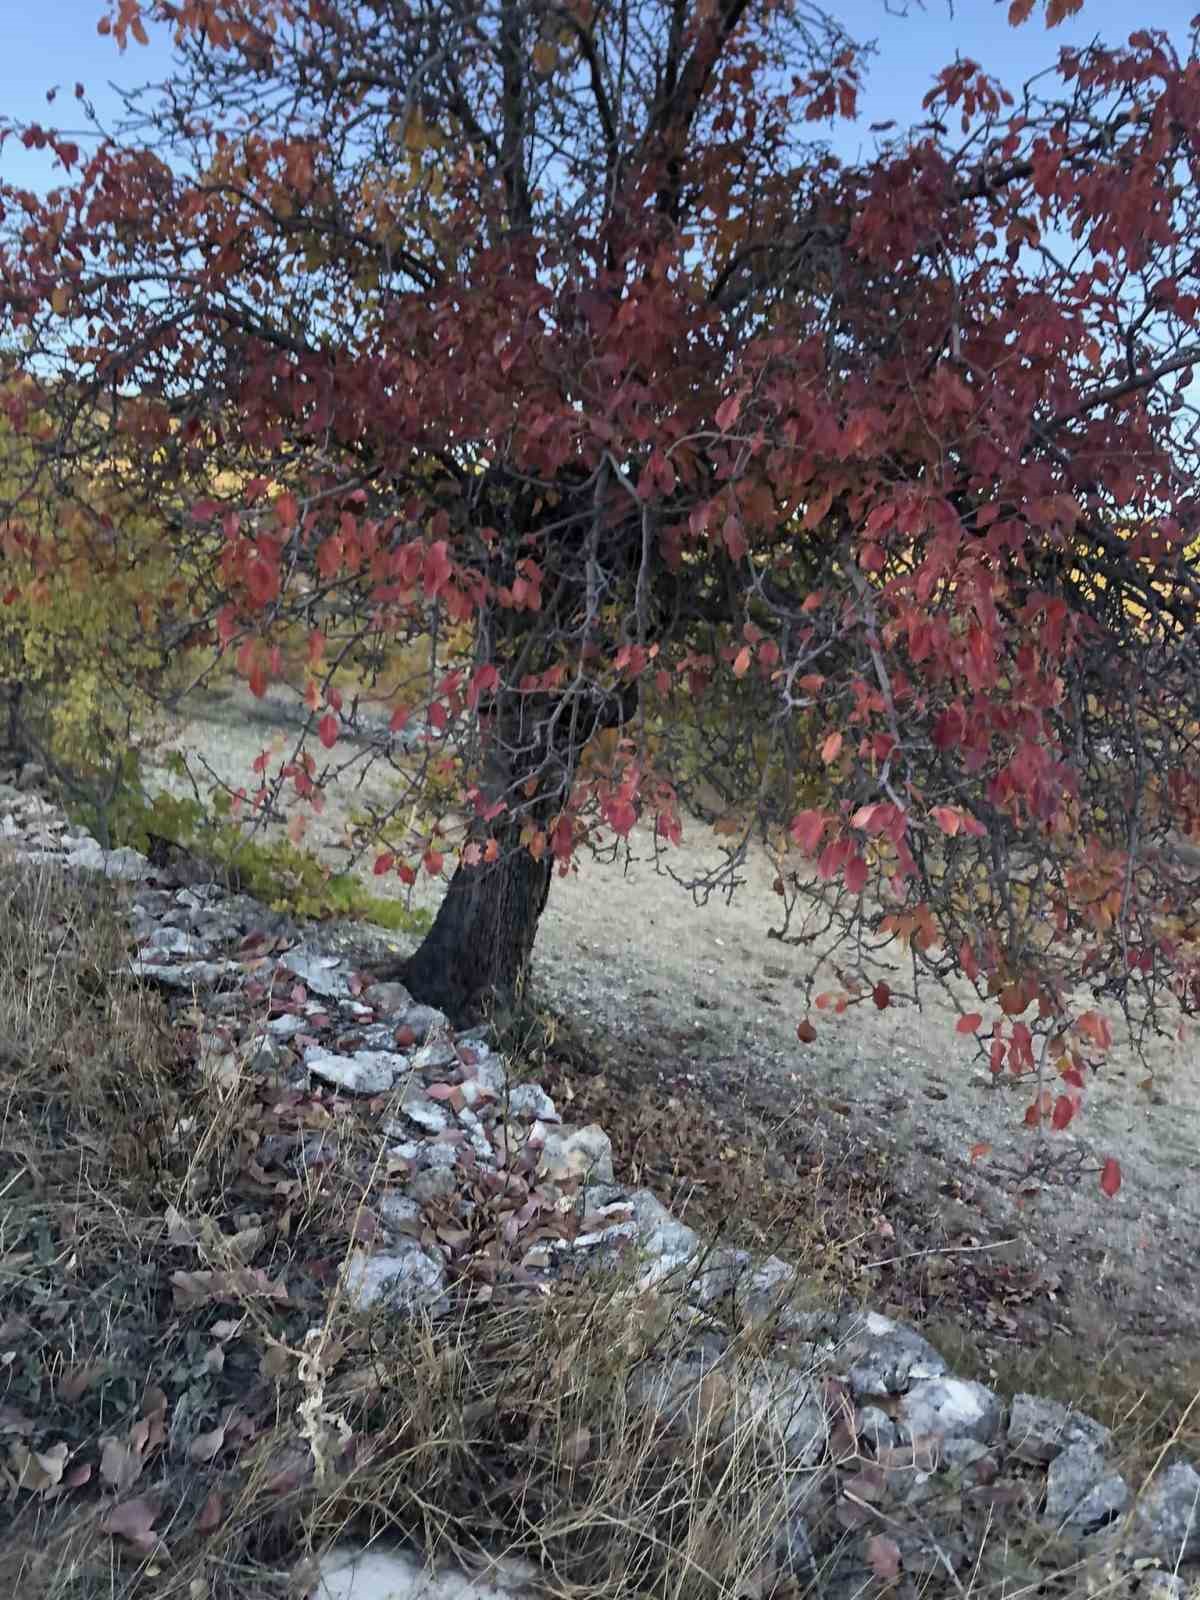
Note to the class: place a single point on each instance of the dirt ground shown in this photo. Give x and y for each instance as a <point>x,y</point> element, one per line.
<point>701,1002</point>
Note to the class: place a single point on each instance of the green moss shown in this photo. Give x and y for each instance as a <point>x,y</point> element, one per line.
<point>276,872</point>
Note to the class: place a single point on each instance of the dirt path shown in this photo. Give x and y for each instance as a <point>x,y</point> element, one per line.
<point>629,955</point>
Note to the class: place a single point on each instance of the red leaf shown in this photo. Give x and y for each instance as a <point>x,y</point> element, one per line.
<point>327,730</point>
<point>1110,1177</point>
<point>806,830</point>
<point>727,412</point>
<point>856,875</point>
<point>805,1032</point>
<point>947,819</point>
<point>287,510</point>
<point>383,864</point>
<point>883,1557</point>
<point>978,1151</point>
<point>882,996</point>
<point>1064,1110</point>
<point>968,1022</point>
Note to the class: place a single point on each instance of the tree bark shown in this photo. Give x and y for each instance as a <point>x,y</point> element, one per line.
<point>473,961</point>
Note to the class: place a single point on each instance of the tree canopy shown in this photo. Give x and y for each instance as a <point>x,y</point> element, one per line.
<point>857,496</point>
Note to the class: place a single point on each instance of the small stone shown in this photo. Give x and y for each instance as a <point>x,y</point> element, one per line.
<point>403,1279</point>
<point>528,1100</point>
<point>424,1021</point>
<point>876,1428</point>
<point>1039,1430</point>
<point>1168,1515</point>
<point>435,1183</point>
<point>949,1406</point>
<point>364,1072</point>
<point>185,974</point>
<point>1082,1490</point>
<point>426,1113</point>
<point>320,974</point>
<point>886,1357</point>
<point>571,1152</point>
<point>388,998</point>
<point>284,1027</point>
<point>394,1210</point>
<point>125,864</point>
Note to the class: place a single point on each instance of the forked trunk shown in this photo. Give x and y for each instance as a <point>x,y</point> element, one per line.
<point>473,961</point>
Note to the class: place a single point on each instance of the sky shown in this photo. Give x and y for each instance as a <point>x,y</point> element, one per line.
<point>48,42</point>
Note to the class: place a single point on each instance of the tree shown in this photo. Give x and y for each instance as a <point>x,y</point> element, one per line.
<point>865,491</point>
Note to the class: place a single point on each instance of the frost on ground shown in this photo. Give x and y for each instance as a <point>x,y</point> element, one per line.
<point>627,955</point>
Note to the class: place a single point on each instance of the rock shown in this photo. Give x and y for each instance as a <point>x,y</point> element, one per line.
<point>388,998</point>
<point>528,1100</point>
<point>425,1022</point>
<point>767,1293</point>
<point>429,1114</point>
<point>394,1210</point>
<point>263,1052</point>
<point>364,1072</point>
<point>434,1183</point>
<point>885,1357</point>
<point>1158,1585</point>
<point>176,942</point>
<point>571,1152</point>
<point>785,1406</point>
<point>670,1245</point>
<point>320,974</point>
<point>1082,1491</point>
<point>876,1428</point>
<point>284,1027</point>
<point>125,864</point>
<point>348,1572</point>
<point>1168,1515</point>
<point>1039,1430</point>
<point>949,1406</point>
<point>186,974</point>
<point>404,1278</point>
<point>723,1270</point>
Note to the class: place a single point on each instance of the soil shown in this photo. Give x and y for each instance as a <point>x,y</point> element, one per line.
<point>697,1005</point>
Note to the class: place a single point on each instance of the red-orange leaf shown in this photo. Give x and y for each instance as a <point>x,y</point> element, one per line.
<point>1110,1177</point>
<point>968,1022</point>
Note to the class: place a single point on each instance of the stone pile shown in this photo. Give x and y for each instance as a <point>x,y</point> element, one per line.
<point>878,1441</point>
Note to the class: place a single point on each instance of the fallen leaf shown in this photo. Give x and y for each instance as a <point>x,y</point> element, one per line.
<point>133,1520</point>
<point>39,1471</point>
<point>120,1464</point>
<point>205,1446</point>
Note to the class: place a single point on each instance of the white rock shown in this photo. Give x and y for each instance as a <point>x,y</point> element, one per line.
<point>352,1573</point>
<point>364,1072</point>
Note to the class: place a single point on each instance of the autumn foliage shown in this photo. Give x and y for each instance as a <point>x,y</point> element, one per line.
<point>860,495</point>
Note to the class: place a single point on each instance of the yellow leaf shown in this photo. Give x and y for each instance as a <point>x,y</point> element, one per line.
<point>545,58</point>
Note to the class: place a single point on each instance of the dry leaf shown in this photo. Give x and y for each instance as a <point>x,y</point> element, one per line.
<point>133,1520</point>
<point>211,1513</point>
<point>120,1464</point>
<point>207,1445</point>
<point>39,1471</point>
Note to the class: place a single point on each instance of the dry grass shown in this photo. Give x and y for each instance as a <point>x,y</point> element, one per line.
<point>189,1409</point>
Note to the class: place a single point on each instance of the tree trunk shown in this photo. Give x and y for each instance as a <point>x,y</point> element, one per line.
<point>472,962</point>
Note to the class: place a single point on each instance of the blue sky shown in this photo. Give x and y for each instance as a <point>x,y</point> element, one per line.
<point>55,41</point>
